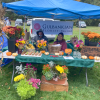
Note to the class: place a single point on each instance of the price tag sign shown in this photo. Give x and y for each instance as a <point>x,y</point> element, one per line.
<point>90,51</point>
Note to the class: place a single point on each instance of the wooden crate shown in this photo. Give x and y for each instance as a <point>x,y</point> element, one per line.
<point>46,86</point>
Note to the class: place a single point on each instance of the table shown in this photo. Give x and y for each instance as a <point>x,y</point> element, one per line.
<point>44,59</point>
<point>9,57</point>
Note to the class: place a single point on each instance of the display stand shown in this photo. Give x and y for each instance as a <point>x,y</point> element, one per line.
<point>46,86</point>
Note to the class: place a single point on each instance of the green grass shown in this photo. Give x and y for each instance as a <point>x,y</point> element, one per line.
<point>77,83</point>
<point>77,86</point>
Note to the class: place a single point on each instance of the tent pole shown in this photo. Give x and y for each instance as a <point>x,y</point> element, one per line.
<point>24,23</point>
<point>79,29</point>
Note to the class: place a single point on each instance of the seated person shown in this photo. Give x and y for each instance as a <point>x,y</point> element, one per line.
<point>40,36</point>
<point>60,40</point>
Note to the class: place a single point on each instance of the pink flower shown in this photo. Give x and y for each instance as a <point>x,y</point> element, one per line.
<point>77,45</point>
<point>34,82</point>
<point>16,40</point>
<point>34,68</point>
<point>28,64</point>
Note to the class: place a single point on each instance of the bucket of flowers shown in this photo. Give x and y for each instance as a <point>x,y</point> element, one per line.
<point>78,45</point>
<point>42,45</point>
<point>55,74</point>
<point>20,44</point>
<point>26,83</point>
<point>13,33</point>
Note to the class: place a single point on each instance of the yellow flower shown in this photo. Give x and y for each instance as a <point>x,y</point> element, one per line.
<point>44,44</point>
<point>60,69</point>
<point>19,41</point>
<point>17,44</point>
<point>19,77</point>
<point>23,34</point>
<point>39,45</point>
<point>23,42</point>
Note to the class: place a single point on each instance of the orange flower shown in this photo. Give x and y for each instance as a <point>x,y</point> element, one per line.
<point>42,41</point>
<point>45,41</point>
<point>38,41</point>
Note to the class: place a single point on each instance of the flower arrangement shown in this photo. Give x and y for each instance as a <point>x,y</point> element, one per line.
<point>91,36</point>
<point>41,44</point>
<point>78,45</point>
<point>13,32</point>
<point>55,72</point>
<point>10,31</point>
<point>20,43</point>
<point>27,83</point>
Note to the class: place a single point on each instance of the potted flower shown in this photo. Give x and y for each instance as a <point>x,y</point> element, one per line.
<point>85,34</point>
<point>55,74</point>
<point>12,34</point>
<point>26,84</point>
<point>42,45</point>
<point>93,39</point>
<point>20,44</point>
<point>78,45</point>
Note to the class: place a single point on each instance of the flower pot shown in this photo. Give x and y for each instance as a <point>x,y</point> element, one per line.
<point>86,42</point>
<point>19,51</point>
<point>92,43</point>
<point>11,45</point>
<point>59,81</point>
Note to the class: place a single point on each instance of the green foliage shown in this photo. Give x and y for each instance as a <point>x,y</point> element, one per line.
<point>49,75</point>
<point>25,90</point>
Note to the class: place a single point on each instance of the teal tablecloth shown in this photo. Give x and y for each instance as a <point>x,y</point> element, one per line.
<point>5,48</point>
<point>58,60</point>
<point>70,45</point>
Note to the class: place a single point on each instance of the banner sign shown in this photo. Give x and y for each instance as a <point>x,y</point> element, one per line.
<point>90,51</point>
<point>53,27</point>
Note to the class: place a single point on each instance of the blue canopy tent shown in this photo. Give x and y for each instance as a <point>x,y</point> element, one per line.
<point>56,9</point>
<point>59,9</point>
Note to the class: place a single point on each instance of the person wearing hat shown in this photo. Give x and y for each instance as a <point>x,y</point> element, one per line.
<point>60,40</point>
<point>40,36</point>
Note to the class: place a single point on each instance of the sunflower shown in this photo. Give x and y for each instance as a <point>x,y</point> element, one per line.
<point>17,44</point>
<point>44,44</point>
<point>39,45</point>
<point>23,34</point>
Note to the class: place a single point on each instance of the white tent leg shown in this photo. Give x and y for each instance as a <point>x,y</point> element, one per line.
<point>24,23</point>
<point>79,32</point>
<point>79,29</point>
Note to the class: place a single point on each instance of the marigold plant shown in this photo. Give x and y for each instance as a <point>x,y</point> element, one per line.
<point>12,32</point>
<point>91,36</point>
<point>45,68</point>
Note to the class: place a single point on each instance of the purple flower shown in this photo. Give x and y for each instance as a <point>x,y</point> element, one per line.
<point>80,42</point>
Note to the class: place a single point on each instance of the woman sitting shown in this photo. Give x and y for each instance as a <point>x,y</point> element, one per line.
<point>60,40</point>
